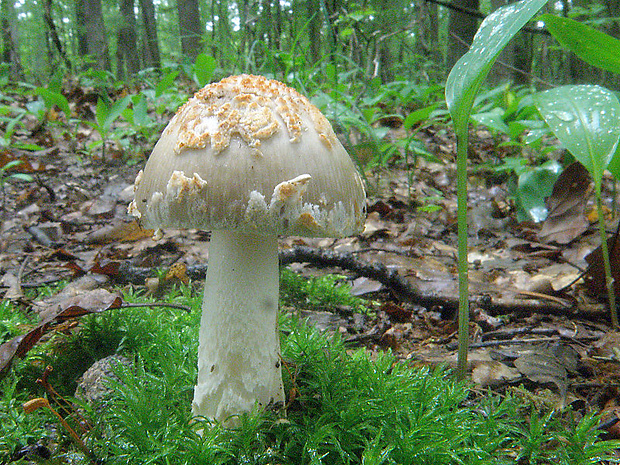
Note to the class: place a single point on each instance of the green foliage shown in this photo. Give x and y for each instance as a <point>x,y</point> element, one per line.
<point>586,120</point>
<point>54,98</point>
<point>462,86</point>
<point>345,406</point>
<point>203,69</point>
<point>5,173</point>
<point>324,292</point>
<point>533,185</point>
<point>589,44</point>
<point>105,114</point>
<point>12,321</point>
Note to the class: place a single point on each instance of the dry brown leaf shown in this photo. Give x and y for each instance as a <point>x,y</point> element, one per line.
<point>566,206</point>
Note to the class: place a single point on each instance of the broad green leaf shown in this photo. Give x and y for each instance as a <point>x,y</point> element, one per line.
<point>533,187</point>
<point>418,115</point>
<point>54,98</point>
<point>165,83</point>
<point>586,120</point>
<point>203,68</point>
<point>592,46</point>
<point>101,113</point>
<point>493,119</point>
<point>470,71</point>
<point>614,164</point>
<point>115,111</point>
<point>140,115</point>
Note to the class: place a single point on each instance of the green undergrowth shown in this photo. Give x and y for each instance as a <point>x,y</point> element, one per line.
<point>319,293</point>
<point>346,406</point>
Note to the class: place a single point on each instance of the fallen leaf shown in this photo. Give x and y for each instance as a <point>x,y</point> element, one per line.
<point>566,206</point>
<point>493,373</point>
<point>96,301</point>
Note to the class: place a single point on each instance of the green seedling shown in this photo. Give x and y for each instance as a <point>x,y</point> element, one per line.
<point>53,98</point>
<point>137,115</point>
<point>105,114</point>
<point>325,292</point>
<point>5,173</point>
<point>586,120</point>
<point>464,82</point>
<point>201,71</point>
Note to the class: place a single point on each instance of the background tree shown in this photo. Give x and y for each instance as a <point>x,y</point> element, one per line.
<point>462,26</point>
<point>190,29</point>
<point>128,60</point>
<point>10,39</point>
<point>150,42</point>
<point>92,36</point>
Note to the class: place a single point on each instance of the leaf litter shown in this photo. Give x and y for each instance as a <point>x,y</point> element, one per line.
<point>530,303</point>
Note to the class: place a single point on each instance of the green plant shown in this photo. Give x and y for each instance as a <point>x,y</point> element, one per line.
<point>344,405</point>
<point>105,114</point>
<point>586,120</point>
<point>324,292</point>
<point>201,71</point>
<point>463,84</point>
<point>532,185</point>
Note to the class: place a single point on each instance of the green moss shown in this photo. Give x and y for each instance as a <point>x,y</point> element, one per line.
<point>345,407</point>
<point>324,292</point>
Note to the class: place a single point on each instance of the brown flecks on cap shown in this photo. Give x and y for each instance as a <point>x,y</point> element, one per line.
<point>180,185</point>
<point>251,107</point>
<point>291,191</point>
<point>308,222</point>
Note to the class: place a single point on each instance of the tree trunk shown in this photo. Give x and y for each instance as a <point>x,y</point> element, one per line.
<point>127,40</point>
<point>10,39</point>
<point>461,29</point>
<point>189,28</point>
<point>51,27</point>
<point>95,37</point>
<point>151,43</point>
<point>314,30</point>
<point>80,32</point>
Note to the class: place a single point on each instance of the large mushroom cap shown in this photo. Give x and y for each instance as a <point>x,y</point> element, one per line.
<point>250,154</point>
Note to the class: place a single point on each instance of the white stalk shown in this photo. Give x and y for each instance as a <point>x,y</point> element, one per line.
<point>239,348</point>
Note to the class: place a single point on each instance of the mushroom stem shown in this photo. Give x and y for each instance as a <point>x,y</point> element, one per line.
<point>239,349</point>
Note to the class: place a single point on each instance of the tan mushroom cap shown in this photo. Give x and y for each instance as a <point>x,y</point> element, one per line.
<point>250,154</point>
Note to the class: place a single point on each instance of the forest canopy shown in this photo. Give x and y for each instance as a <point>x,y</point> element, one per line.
<point>290,40</point>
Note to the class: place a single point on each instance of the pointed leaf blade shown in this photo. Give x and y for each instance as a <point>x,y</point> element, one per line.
<point>586,120</point>
<point>592,46</point>
<point>470,71</point>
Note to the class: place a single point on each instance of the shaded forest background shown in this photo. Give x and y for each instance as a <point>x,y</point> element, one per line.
<point>292,40</point>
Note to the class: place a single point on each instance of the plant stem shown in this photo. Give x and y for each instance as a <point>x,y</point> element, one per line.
<point>463,314</point>
<point>609,280</point>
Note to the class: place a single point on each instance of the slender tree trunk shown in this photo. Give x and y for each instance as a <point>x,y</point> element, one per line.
<point>151,43</point>
<point>95,39</point>
<point>10,39</point>
<point>277,26</point>
<point>427,26</point>
<point>224,33</point>
<point>461,30</point>
<point>127,39</point>
<point>80,20</point>
<point>314,29</point>
<point>189,28</point>
<point>53,33</point>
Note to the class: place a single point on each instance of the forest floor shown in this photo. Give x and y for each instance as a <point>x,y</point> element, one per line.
<point>536,326</point>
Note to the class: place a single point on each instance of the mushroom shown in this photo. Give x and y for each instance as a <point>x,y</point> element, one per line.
<point>248,159</point>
